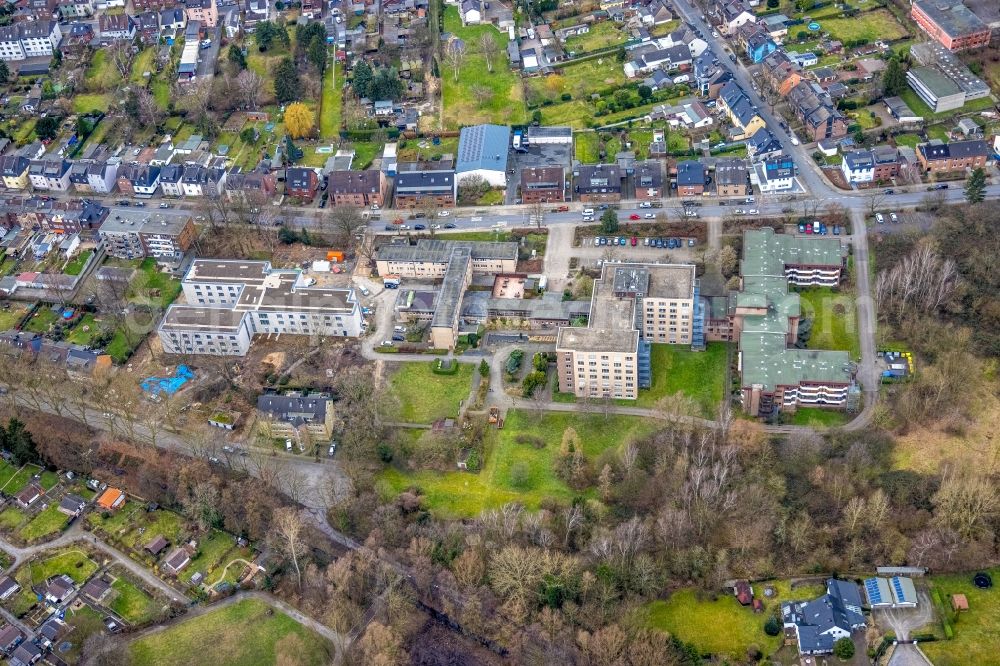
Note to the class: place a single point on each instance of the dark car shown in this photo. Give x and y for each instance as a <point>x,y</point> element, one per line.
<point>389,227</point>
<point>417,216</point>
<point>449,226</point>
<point>890,191</point>
<point>419,227</point>
<point>123,203</point>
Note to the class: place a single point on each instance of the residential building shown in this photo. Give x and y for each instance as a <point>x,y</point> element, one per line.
<point>358,188</point>
<point>230,301</point>
<point>763,145</point>
<point>301,183</point>
<point>29,39</point>
<point>137,234</point>
<point>820,623</point>
<point>255,11</point>
<point>741,111</point>
<point>734,14</point>
<point>816,111</point>
<point>201,181</point>
<point>102,176</point>
<point>170,180</point>
<point>938,91</point>
<point>49,174</point>
<point>879,165</point>
<point>25,654</point>
<point>732,178</point>
<point>951,23</point>
<point>416,186</point>
<point>673,57</point>
<point>938,156</point>
<point>296,415</point>
<point>647,179</point>
<point>204,11</point>
<point>545,184</point>
<point>780,73</point>
<point>147,25</point>
<point>776,26</point>
<point>756,41</point>
<point>775,174</point>
<point>429,259</point>
<point>597,183</point>
<point>8,588</point>
<point>141,180</point>
<point>932,54</point>
<point>72,505</point>
<point>172,21</point>
<point>257,186</point>
<point>14,170</point>
<point>775,375</point>
<point>691,178</point>
<point>482,151</point>
<point>899,110</point>
<point>69,9</point>
<point>471,12</point>
<point>114,27</point>
<point>632,306</point>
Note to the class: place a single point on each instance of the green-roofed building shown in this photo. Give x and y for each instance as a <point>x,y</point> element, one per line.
<point>774,375</point>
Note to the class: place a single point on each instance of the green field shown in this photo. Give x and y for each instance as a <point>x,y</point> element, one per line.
<point>246,633</point>
<point>161,522</point>
<point>579,80</point>
<point>698,375</point>
<point>977,631</point>
<point>85,622</point>
<point>819,418</point>
<point>871,26</point>
<point>329,115</point>
<point>721,626</point>
<point>587,146</point>
<point>150,279</point>
<point>461,494</point>
<point>504,103</point>
<point>75,265</point>
<point>834,317</point>
<point>10,316</point>
<point>79,336</point>
<point>47,522</point>
<point>73,563</point>
<point>144,62</point>
<point>603,35</point>
<point>11,518</point>
<point>20,479</point>
<point>132,603</point>
<point>424,396</point>
<point>101,73</point>
<point>43,318</point>
<point>921,109</point>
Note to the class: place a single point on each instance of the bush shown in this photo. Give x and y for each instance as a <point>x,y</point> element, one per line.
<point>473,462</point>
<point>844,648</point>
<point>532,381</point>
<point>566,97</point>
<point>772,627</point>
<point>530,440</point>
<point>384,452</point>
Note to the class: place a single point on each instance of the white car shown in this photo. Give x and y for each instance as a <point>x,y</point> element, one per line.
<point>715,33</point>
<point>475,219</point>
<point>444,213</point>
<point>894,218</point>
<point>649,216</point>
<point>753,211</point>
<point>435,226</point>
<point>795,141</point>
<point>645,204</point>
<point>645,241</point>
<point>740,211</point>
<point>374,206</point>
<point>879,218</point>
<point>690,213</point>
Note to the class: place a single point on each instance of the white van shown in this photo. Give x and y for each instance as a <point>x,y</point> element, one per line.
<point>683,78</point>
<point>588,212</point>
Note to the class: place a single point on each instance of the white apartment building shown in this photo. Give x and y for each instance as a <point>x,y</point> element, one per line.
<point>429,259</point>
<point>29,39</point>
<point>230,301</point>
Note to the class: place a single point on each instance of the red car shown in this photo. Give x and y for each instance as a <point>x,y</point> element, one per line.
<point>635,241</point>
<point>633,216</point>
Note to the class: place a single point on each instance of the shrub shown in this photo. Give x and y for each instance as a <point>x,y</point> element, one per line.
<point>844,648</point>
<point>473,463</point>
<point>530,440</point>
<point>566,97</point>
<point>772,627</point>
<point>384,452</point>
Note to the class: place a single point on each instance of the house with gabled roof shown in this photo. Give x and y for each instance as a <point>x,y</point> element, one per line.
<point>820,623</point>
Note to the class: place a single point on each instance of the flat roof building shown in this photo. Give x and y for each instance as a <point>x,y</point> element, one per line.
<point>938,91</point>
<point>951,23</point>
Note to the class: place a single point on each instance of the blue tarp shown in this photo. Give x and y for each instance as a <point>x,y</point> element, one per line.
<point>169,385</point>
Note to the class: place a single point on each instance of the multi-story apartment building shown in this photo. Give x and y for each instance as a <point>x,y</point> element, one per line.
<point>597,183</point>
<point>358,188</point>
<point>201,181</point>
<point>49,174</point>
<point>418,187</point>
<point>633,305</point>
<point>205,11</point>
<point>543,184</point>
<point>951,23</point>
<point>115,27</point>
<point>170,180</point>
<point>228,302</point>
<point>302,183</point>
<point>296,415</point>
<point>137,234</point>
<point>29,39</point>
<point>691,178</point>
<point>647,177</point>
<point>732,178</point>
<point>879,165</point>
<point>775,375</point>
<point>939,156</point>
<point>741,111</point>
<point>815,109</point>
<point>255,186</point>
<point>14,170</point>
<point>102,176</point>
<point>428,259</point>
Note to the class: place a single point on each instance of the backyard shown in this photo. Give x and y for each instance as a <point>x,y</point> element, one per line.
<point>133,604</point>
<point>242,634</point>
<point>11,315</point>
<point>76,264</point>
<point>579,81</point>
<point>603,35</point>
<point>814,417</point>
<point>462,495</point>
<point>870,26</point>
<point>977,630</point>
<point>698,375</point>
<point>151,285</point>
<point>47,522</point>
<point>478,95</point>
<point>329,116</point>
<point>834,320</point>
<point>73,563</point>
<point>425,396</point>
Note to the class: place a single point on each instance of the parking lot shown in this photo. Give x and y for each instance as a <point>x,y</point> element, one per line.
<point>546,154</point>
<point>591,254</point>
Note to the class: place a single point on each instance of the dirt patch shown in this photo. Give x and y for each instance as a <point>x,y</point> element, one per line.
<point>836,176</point>
<point>276,359</point>
<point>739,225</point>
<point>927,449</point>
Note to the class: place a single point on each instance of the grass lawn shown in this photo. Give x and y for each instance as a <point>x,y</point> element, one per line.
<point>48,480</point>
<point>910,140</point>
<point>84,331</point>
<point>873,25</point>
<point>144,62</point>
<point>75,265</point>
<point>11,518</point>
<point>211,550</point>
<point>977,631</point>
<point>504,104</point>
<point>921,109</point>
<point>698,621</point>
<point>7,472</point>
<point>120,347</point>
<point>47,522</point>
<point>101,74</point>
<point>586,146</point>
<point>132,603</point>
<point>816,417</point>
<point>243,634</point>
<point>20,479</point>
<point>365,153</point>
<point>73,563</point>
<point>148,280</point>
<point>495,236</point>
<point>579,80</point>
<point>41,320</point>
<point>10,316</point>
<point>423,149</point>
<point>424,396</point>
<point>461,494</point>
<point>698,375</point>
<point>171,525</point>
<point>329,115</point>
<point>87,102</point>
<point>603,35</point>
<point>834,320</point>
<point>115,524</point>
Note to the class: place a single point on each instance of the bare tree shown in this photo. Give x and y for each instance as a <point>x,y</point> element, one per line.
<point>876,197</point>
<point>536,214</point>
<point>149,111</point>
<point>482,94</point>
<point>249,88</point>
<point>347,223</point>
<point>488,46</point>
<point>122,56</point>
<point>923,281</point>
<point>288,531</point>
<point>455,56</point>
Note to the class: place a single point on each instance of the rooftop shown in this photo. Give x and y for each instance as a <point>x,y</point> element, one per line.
<point>483,147</point>
<point>951,16</point>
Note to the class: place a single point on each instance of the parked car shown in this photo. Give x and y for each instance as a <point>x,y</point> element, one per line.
<point>688,212</point>
<point>635,241</point>
<point>645,204</point>
<point>649,216</point>
<point>164,205</point>
<point>419,227</point>
<point>740,211</point>
<point>822,229</point>
<point>659,242</point>
<point>880,218</point>
<point>444,213</point>
<point>449,226</point>
<point>389,227</point>
<point>889,191</point>
<point>893,218</point>
<point>753,211</point>
<point>645,242</point>
<point>691,242</point>
<point>621,240</point>
<point>802,227</point>
<point>836,230</point>
<point>633,216</point>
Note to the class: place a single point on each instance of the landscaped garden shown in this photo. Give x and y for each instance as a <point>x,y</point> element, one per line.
<point>132,603</point>
<point>516,468</point>
<point>245,633</point>
<point>834,319</point>
<point>425,396</point>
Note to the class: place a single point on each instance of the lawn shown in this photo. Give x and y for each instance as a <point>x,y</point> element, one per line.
<point>85,622</point>
<point>84,331</point>
<point>579,80</point>
<point>503,102</point>
<point>910,140</point>
<point>114,524</point>
<point>871,26</point>
<point>424,396</point>
<point>365,153</point>
<point>41,320</point>
<point>11,518</point>
<point>88,102</point>
<point>7,472</point>
<point>150,279</point>
<point>495,236</point>
<point>211,550</point>
<point>10,316</point>
<point>73,563</point>
<point>329,115</point>
<point>603,35</point>
<point>75,265</point>
<point>698,375</point>
<point>587,146</point>
<point>721,626</point>
<point>47,522</point>
<point>171,525</point>
<point>101,74</point>
<point>815,417</point>
<point>48,480</point>
<point>20,479</point>
<point>834,319</point>
<point>132,603</point>
<point>244,634</point>
<point>921,109</point>
<point>462,495</point>
<point>977,631</point>
<point>144,62</point>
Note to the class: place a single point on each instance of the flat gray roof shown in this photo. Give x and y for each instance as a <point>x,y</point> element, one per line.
<point>191,318</point>
<point>227,270</point>
<point>141,221</point>
<point>451,288</point>
<point>440,251</point>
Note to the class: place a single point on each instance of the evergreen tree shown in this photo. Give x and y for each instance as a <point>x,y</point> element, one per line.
<point>386,84</point>
<point>317,53</point>
<point>894,78</point>
<point>975,187</point>
<point>287,87</point>
<point>236,57</point>
<point>4,71</point>
<point>609,222</point>
<point>361,78</point>
<point>16,439</point>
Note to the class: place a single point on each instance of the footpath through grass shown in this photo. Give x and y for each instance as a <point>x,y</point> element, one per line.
<point>425,396</point>
<point>246,633</point>
<point>463,494</point>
